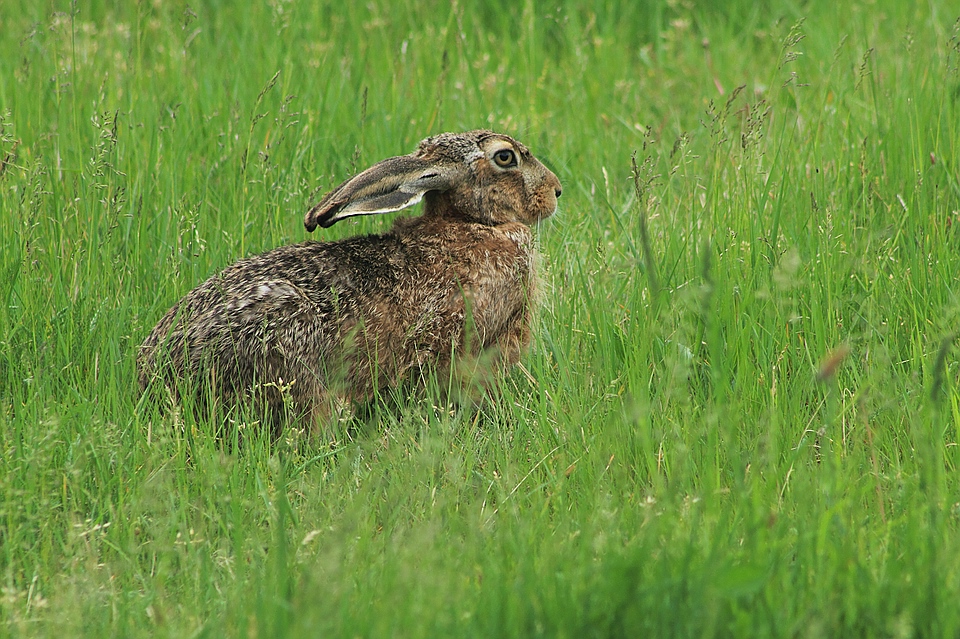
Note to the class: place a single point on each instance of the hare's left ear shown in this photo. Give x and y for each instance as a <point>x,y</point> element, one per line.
<point>388,186</point>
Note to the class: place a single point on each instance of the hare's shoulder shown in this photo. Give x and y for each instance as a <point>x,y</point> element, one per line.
<point>463,238</point>
<point>503,243</point>
<point>517,234</point>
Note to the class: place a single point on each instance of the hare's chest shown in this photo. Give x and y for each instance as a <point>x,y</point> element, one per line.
<point>486,272</point>
<point>502,259</point>
<point>498,281</point>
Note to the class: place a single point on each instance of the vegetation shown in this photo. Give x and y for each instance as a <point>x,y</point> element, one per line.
<point>741,410</point>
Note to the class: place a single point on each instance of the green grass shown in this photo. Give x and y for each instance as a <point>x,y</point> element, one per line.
<point>674,459</point>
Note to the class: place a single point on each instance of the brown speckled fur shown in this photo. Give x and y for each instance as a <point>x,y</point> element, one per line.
<point>340,319</point>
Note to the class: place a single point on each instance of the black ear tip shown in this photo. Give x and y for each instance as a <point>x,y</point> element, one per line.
<point>322,214</point>
<point>311,220</point>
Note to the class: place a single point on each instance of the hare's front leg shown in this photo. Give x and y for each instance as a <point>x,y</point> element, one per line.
<point>499,305</point>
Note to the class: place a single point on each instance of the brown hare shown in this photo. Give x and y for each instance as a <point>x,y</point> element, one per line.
<point>302,325</point>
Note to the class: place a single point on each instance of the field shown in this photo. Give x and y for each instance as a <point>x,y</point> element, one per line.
<point>740,413</point>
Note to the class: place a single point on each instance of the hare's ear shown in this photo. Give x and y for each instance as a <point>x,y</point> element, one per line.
<point>388,186</point>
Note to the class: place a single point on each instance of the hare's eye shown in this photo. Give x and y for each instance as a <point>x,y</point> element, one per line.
<point>505,158</point>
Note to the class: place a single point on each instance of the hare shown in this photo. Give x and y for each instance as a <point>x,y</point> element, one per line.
<point>321,321</point>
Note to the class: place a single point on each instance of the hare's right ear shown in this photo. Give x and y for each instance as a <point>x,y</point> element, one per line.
<point>388,186</point>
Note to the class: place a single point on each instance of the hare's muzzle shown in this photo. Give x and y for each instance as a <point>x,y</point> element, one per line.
<point>551,191</point>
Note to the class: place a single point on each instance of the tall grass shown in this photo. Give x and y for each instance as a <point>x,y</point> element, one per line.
<point>740,413</point>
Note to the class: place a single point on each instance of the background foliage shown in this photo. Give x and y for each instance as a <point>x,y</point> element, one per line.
<point>740,414</point>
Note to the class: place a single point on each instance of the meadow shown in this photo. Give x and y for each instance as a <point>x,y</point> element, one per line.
<point>740,412</point>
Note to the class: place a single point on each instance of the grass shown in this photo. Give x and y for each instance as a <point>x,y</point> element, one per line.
<point>740,413</point>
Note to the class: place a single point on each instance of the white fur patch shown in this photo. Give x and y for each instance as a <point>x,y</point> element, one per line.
<point>473,156</point>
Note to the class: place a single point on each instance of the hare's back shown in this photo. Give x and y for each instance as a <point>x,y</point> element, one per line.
<point>307,292</point>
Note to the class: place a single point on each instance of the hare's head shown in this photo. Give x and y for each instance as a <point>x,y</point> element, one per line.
<point>478,175</point>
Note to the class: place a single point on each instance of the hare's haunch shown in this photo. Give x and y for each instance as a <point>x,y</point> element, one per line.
<point>318,320</point>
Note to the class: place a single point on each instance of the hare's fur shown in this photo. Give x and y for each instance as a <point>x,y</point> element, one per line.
<point>322,320</point>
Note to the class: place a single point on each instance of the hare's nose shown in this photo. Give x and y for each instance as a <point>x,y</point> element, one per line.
<point>558,191</point>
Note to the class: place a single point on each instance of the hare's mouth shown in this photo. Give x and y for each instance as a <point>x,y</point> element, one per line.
<point>546,214</point>
<point>557,190</point>
<point>553,209</point>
